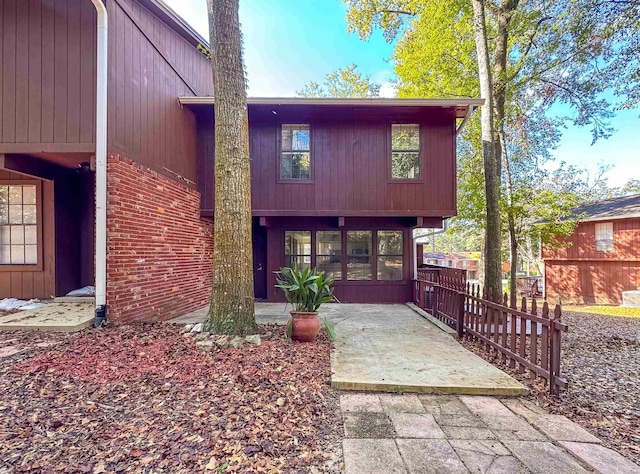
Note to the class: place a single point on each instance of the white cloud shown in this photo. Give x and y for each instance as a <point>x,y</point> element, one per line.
<point>388,89</point>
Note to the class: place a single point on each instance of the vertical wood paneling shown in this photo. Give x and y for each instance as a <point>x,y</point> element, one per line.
<point>35,70</point>
<point>60,72</point>
<point>73,72</point>
<point>22,71</point>
<point>351,167</point>
<point>147,124</point>
<point>9,72</point>
<point>42,77</point>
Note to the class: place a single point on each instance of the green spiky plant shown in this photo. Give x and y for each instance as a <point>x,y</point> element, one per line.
<point>306,290</point>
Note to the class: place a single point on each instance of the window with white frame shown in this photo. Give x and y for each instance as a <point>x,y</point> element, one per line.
<point>18,224</point>
<point>604,237</point>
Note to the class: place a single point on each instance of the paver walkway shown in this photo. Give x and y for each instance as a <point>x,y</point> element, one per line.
<point>422,434</point>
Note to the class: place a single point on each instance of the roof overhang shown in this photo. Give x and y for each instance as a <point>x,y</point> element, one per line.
<point>169,16</point>
<point>462,106</point>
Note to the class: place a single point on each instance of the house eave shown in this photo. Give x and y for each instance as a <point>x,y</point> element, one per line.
<point>462,106</point>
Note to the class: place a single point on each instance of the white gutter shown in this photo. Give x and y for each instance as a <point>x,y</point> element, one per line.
<point>368,101</point>
<point>465,120</point>
<point>101,164</point>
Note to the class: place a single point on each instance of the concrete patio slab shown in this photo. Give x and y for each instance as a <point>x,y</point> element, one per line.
<point>56,317</point>
<point>266,313</point>
<point>372,456</point>
<point>396,403</point>
<point>544,457</point>
<point>427,456</point>
<point>360,402</point>
<point>368,425</point>
<point>562,428</point>
<point>600,458</point>
<point>416,425</point>
<point>390,348</point>
<point>487,457</point>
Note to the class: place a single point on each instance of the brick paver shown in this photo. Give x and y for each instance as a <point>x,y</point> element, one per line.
<point>462,434</point>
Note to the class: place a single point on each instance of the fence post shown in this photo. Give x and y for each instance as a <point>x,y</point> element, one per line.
<point>554,356</point>
<point>434,301</point>
<point>460,316</point>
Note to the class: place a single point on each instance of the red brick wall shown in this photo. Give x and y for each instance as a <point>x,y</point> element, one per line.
<point>159,250</point>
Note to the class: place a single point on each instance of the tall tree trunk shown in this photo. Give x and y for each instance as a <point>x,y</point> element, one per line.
<point>493,242</point>
<point>511,222</point>
<point>232,305</point>
<point>504,14</point>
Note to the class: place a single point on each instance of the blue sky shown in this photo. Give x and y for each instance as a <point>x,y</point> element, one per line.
<point>289,43</point>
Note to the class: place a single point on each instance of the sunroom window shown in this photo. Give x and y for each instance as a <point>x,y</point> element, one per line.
<point>390,255</point>
<point>329,252</point>
<point>359,245</point>
<point>297,249</point>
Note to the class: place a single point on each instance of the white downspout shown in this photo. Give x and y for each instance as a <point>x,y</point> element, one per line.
<point>415,245</point>
<point>101,165</point>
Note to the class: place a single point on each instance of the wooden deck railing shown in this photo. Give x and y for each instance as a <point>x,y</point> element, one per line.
<point>526,340</point>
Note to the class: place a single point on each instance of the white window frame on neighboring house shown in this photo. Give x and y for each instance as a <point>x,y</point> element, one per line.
<point>604,236</point>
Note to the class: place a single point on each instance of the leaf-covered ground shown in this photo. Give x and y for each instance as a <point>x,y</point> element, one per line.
<point>604,310</point>
<point>601,360</point>
<point>144,399</point>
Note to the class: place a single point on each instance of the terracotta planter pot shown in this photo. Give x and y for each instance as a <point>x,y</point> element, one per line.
<point>305,326</point>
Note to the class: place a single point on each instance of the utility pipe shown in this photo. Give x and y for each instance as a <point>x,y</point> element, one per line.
<point>101,165</point>
<point>415,245</point>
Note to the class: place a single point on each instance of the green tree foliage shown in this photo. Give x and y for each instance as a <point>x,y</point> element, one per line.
<point>563,52</point>
<point>347,82</point>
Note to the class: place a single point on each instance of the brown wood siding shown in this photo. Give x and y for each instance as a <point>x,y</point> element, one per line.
<point>590,282</point>
<point>351,153</point>
<point>582,243</point>
<point>150,66</point>
<point>47,82</point>
<point>36,283</point>
<point>580,274</point>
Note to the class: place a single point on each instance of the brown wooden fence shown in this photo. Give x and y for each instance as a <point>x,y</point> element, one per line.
<point>526,340</point>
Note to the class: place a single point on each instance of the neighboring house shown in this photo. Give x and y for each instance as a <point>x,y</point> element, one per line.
<point>336,183</point>
<point>603,255</point>
<point>463,260</point>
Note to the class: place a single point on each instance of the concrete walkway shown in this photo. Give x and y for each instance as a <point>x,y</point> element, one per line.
<point>55,317</point>
<point>391,348</point>
<point>421,434</point>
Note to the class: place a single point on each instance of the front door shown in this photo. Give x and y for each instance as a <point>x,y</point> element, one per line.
<point>259,235</point>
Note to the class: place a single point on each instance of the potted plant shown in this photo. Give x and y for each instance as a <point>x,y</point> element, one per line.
<point>306,290</point>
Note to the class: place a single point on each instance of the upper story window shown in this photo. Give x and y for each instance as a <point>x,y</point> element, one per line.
<point>18,224</point>
<point>405,151</point>
<point>295,152</point>
<point>604,237</point>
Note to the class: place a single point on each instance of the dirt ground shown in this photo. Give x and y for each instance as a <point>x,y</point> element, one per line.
<point>601,360</point>
<point>144,399</point>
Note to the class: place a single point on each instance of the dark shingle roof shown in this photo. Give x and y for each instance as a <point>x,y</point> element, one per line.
<point>615,208</point>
